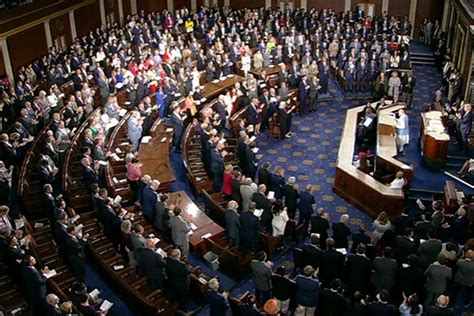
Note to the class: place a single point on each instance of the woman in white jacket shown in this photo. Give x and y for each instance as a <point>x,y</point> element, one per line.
<point>280,218</point>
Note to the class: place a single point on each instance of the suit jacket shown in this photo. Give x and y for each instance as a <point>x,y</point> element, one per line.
<point>378,308</point>
<point>218,304</point>
<point>263,275</point>
<point>90,176</point>
<point>278,182</point>
<point>385,272</point>
<point>340,232</point>
<point>312,255</point>
<point>439,311</point>
<point>232,221</point>
<point>283,287</point>
<point>291,198</point>
<point>177,124</point>
<point>179,231</point>
<point>332,264</point>
<point>412,280</point>
<point>466,123</point>
<point>178,275</point>
<point>465,273</point>
<point>46,177</point>
<point>35,282</point>
<point>150,198</point>
<point>249,226</point>
<point>306,202</point>
<point>331,303</point>
<point>359,270</point>
<point>75,250</point>
<point>162,217</point>
<point>428,252</point>
<point>320,226</point>
<point>152,267</point>
<point>404,247</point>
<point>437,277</point>
<point>264,177</point>
<point>306,292</point>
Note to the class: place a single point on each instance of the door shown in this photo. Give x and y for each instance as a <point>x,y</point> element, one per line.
<point>369,9</point>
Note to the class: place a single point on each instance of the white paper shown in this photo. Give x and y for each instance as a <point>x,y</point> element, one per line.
<point>368,121</point>
<point>169,130</point>
<point>405,265</point>
<point>252,139</point>
<point>115,157</point>
<point>163,139</point>
<point>19,223</point>
<point>193,226</point>
<point>78,228</point>
<point>117,199</point>
<point>207,235</point>
<point>155,240</point>
<point>161,252</point>
<point>106,305</point>
<point>38,225</point>
<point>113,122</point>
<point>118,151</point>
<point>118,267</point>
<point>50,274</point>
<point>271,195</point>
<point>146,139</point>
<point>115,180</point>
<point>103,163</point>
<point>94,293</point>
<point>202,280</point>
<point>122,112</point>
<point>258,212</point>
<point>255,150</point>
<point>342,250</point>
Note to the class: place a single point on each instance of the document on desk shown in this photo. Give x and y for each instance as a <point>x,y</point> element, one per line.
<point>106,305</point>
<point>146,139</point>
<point>193,226</point>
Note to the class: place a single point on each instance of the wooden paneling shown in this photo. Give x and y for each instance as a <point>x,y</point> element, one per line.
<point>399,8</point>
<point>239,4</point>
<point>432,10</point>
<point>26,46</point>
<point>127,8</point>
<point>337,5</point>
<point>378,5</point>
<point>61,26</point>
<point>3,70</point>
<point>152,5</point>
<point>199,3</point>
<point>179,4</point>
<point>87,19</point>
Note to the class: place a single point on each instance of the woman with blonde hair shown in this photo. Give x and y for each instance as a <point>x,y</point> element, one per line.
<point>381,224</point>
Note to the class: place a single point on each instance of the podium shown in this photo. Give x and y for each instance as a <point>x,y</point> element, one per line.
<point>434,140</point>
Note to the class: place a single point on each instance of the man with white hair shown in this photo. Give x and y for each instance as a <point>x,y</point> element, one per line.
<point>52,305</point>
<point>232,220</point>
<point>178,276</point>
<point>150,197</point>
<point>341,231</point>
<point>218,303</point>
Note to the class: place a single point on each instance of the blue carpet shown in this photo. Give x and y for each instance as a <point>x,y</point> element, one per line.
<point>420,48</point>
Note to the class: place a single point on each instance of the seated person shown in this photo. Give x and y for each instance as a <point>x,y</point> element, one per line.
<point>399,182</point>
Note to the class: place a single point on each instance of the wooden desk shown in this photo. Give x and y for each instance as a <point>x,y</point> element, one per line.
<point>204,224</point>
<point>155,154</point>
<point>434,145</point>
<point>214,88</point>
<point>357,187</point>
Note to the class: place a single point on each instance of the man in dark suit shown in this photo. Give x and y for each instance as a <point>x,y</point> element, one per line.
<point>265,204</point>
<point>217,166</point>
<point>405,246</point>
<point>291,194</point>
<point>7,151</point>
<point>311,252</point>
<point>332,263</point>
<point>283,288</point>
<point>360,238</point>
<point>150,198</point>
<point>381,307</point>
<point>441,308</point>
<point>305,205</point>
<point>428,250</point>
<point>152,265</point>
<point>236,188</point>
<point>75,255</point>
<point>411,277</point>
<point>35,285</point>
<point>89,173</point>
<point>359,270</point>
<point>178,277</point>
<point>385,271</point>
<point>232,224</point>
<point>341,231</point>
<point>303,94</point>
<point>46,175</point>
<point>403,221</point>
<point>250,229</point>
<point>218,303</point>
<point>264,175</point>
<point>51,307</point>
<point>177,124</point>
<point>331,302</point>
<point>320,225</point>
<point>466,125</point>
<point>162,217</point>
<point>262,271</point>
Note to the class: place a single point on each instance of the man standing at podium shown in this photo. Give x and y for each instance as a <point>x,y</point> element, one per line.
<point>403,131</point>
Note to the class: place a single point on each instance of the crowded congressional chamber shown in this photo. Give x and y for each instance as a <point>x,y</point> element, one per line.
<point>233,157</point>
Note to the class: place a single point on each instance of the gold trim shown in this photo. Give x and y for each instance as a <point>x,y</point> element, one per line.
<point>29,25</point>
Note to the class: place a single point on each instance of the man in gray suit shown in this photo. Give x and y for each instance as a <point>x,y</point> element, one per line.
<point>135,129</point>
<point>104,89</point>
<point>429,250</point>
<point>138,242</point>
<point>112,108</point>
<point>180,230</point>
<point>465,277</point>
<point>385,269</point>
<point>437,277</point>
<point>262,271</point>
<point>232,221</point>
<point>247,189</point>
